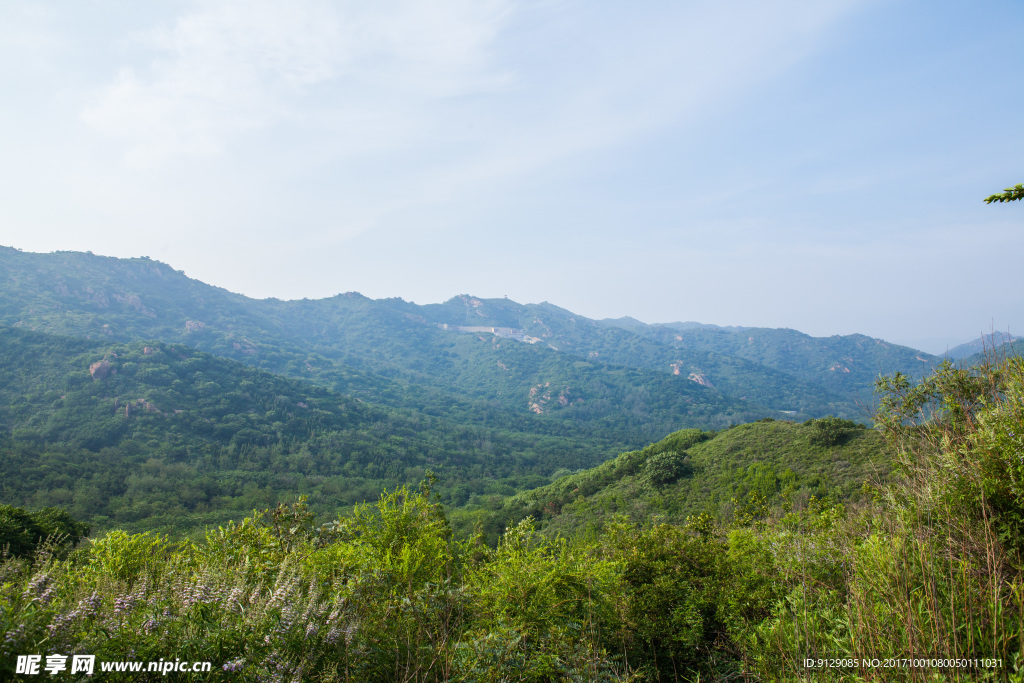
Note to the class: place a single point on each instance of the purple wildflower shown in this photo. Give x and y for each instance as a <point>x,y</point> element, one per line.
<point>90,605</point>
<point>36,585</point>
<point>234,665</point>
<point>124,604</point>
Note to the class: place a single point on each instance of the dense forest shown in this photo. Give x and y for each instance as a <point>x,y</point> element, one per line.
<point>151,435</point>
<point>918,579</point>
<point>156,436</point>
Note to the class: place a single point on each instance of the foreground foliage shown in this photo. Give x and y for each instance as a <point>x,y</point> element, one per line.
<point>929,566</point>
<point>926,565</point>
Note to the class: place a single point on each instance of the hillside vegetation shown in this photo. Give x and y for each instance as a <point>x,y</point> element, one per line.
<point>628,383</point>
<point>775,365</point>
<point>221,450</point>
<point>736,473</point>
<point>992,341</point>
<point>919,580</point>
<point>161,436</point>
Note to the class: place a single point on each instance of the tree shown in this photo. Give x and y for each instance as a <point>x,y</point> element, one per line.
<point>1010,194</point>
<point>829,431</point>
<point>23,532</point>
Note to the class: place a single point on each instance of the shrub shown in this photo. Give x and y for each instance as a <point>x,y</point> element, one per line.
<point>124,556</point>
<point>671,613</point>
<point>665,468</point>
<point>829,431</point>
<point>23,532</point>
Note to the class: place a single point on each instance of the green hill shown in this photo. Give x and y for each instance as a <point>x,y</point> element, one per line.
<point>991,341</point>
<point>643,346</point>
<point>158,435</point>
<point>843,364</point>
<point>742,471</point>
<point>928,562</point>
<point>1006,350</point>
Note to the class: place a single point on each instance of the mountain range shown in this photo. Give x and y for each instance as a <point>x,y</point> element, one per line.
<point>135,395</point>
<point>539,358</point>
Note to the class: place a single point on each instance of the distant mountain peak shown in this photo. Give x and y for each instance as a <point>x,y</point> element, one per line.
<point>984,342</point>
<point>625,322</point>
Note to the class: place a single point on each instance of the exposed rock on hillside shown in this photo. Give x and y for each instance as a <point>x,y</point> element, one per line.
<point>701,379</point>
<point>101,369</point>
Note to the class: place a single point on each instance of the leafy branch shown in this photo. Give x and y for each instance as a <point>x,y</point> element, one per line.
<point>1010,194</point>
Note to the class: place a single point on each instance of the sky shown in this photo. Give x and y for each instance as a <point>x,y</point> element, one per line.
<point>805,164</point>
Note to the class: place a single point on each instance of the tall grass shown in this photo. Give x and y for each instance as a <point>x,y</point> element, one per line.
<point>930,566</point>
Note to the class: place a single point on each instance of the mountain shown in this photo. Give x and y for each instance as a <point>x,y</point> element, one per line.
<point>778,369</point>
<point>984,342</point>
<point>381,351</point>
<point>480,360</point>
<point>1006,350</point>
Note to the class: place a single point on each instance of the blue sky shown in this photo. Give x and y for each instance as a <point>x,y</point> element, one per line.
<point>814,165</point>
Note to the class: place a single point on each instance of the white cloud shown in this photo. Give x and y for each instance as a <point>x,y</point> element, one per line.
<point>233,67</point>
<point>638,78</point>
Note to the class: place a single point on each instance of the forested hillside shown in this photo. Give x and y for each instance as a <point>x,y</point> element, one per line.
<point>396,352</point>
<point>769,366</point>
<point>994,341</point>
<point>156,435</point>
<point>360,348</point>
<point>558,534</point>
<point>1006,350</point>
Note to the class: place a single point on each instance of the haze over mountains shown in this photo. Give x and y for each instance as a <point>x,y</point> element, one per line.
<point>385,349</point>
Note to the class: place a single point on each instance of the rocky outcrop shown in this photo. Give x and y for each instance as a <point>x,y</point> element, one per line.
<point>540,398</point>
<point>101,369</point>
<point>135,301</point>
<point>246,347</point>
<point>146,405</point>
<point>701,379</point>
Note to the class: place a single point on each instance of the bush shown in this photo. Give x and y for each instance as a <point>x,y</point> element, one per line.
<point>667,467</point>
<point>124,556</point>
<point>22,532</point>
<point>829,431</point>
<point>671,616</point>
